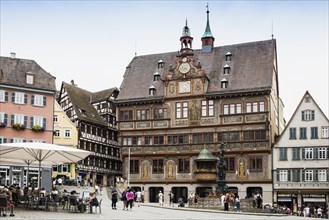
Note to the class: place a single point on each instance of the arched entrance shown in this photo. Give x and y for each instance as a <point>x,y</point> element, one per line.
<point>179,192</point>
<point>203,191</point>
<point>153,193</point>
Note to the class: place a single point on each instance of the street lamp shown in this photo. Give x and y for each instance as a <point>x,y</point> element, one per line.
<point>128,167</point>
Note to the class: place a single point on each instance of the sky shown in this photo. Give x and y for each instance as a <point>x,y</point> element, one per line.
<point>92,42</point>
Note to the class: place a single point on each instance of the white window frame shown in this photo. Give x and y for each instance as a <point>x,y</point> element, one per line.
<point>65,167</point>
<point>18,140</point>
<point>57,133</point>
<point>226,109</point>
<point>308,175</point>
<point>1,139</point>
<point>261,106</point>
<point>255,107</point>
<point>19,97</point>
<point>19,119</point>
<point>325,132</point>
<point>322,153</point>
<point>238,108</point>
<point>2,117</point>
<point>2,95</point>
<point>38,100</point>
<point>37,141</point>
<point>29,79</point>
<point>309,153</point>
<point>248,107</point>
<point>67,132</point>
<point>37,120</point>
<point>322,175</point>
<point>283,175</point>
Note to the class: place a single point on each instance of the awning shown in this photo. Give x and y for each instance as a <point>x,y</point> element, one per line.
<point>284,199</point>
<point>314,199</point>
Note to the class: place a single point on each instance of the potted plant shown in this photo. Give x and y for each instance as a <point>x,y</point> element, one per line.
<point>38,128</point>
<point>18,126</point>
<point>3,125</point>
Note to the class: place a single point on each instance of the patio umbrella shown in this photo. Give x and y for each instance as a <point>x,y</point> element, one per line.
<point>41,153</point>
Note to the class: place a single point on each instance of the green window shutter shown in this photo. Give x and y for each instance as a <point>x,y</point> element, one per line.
<point>12,117</point>
<point>69,168</point>
<point>4,140</point>
<point>13,97</point>
<point>327,156</point>
<point>315,173</point>
<point>31,121</point>
<point>44,123</point>
<point>303,175</point>
<point>44,101</point>
<point>25,98</point>
<point>6,96</point>
<point>289,175</point>
<point>278,175</point>
<point>303,153</point>
<point>11,140</point>
<point>59,168</point>
<point>5,119</point>
<point>32,99</point>
<point>25,121</point>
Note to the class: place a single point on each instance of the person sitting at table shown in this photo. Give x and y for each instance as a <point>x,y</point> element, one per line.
<point>92,201</point>
<point>8,194</point>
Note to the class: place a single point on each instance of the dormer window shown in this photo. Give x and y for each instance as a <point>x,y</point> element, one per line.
<point>228,56</point>
<point>224,83</point>
<point>156,76</point>
<point>151,90</point>
<point>227,69</point>
<point>29,78</point>
<point>160,64</point>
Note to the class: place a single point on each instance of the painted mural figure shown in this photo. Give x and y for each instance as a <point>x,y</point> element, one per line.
<point>145,168</point>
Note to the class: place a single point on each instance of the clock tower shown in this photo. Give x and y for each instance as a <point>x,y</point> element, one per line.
<point>186,42</point>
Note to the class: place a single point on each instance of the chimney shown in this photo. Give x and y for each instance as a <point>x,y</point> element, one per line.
<point>12,55</point>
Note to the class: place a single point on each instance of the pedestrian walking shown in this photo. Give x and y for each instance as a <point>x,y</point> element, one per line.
<point>138,197</point>
<point>226,199</point>
<point>160,196</point>
<point>114,198</point>
<point>124,199</point>
<point>171,199</point>
<point>237,203</point>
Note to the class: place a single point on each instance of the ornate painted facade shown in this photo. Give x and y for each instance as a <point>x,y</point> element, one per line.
<point>173,105</point>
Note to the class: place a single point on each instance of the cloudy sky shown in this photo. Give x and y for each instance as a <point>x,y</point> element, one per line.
<point>92,42</point>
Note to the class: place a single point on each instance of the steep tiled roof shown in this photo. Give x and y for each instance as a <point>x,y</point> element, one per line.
<point>251,69</point>
<point>103,95</point>
<point>82,102</point>
<point>13,72</point>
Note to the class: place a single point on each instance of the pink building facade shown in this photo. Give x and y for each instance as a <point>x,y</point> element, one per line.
<point>27,95</point>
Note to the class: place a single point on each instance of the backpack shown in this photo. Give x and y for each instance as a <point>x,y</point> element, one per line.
<point>123,195</point>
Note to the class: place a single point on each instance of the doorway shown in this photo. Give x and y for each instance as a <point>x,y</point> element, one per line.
<point>179,192</point>
<point>153,194</point>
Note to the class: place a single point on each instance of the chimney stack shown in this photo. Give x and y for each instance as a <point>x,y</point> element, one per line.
<point>12,55</point>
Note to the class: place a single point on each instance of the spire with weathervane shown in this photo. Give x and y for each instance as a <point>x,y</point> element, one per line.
<point>207,38</point>
<point>186,41</point>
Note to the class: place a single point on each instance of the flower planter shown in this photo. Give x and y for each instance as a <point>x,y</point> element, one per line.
<point>18,126</point>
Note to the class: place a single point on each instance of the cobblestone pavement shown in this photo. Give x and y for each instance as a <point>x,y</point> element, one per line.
<point>146,211</point>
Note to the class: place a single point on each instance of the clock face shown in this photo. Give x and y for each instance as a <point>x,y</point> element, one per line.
<point>184,68</point>
<point>184,87</point>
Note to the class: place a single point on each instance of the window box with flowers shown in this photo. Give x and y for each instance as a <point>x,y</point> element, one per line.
<point>38,128</point>
<point>18,126</point>
<point>3,124</point>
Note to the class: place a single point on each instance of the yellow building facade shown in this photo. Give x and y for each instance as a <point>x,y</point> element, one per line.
<point>66,134</point>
